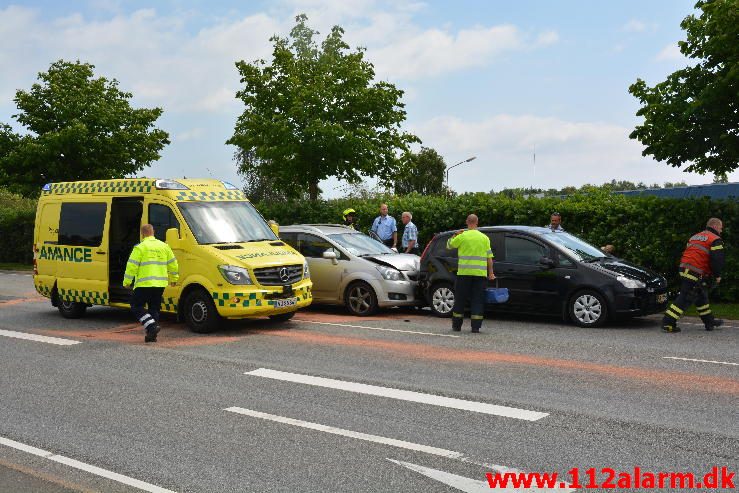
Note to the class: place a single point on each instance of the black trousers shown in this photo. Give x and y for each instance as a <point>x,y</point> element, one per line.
<point>152,298</point>
<point>388,243</point>
<point>691,291</point>
<point>469,290</point>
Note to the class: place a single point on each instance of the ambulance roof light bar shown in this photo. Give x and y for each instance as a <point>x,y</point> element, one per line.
<point>169,185</point>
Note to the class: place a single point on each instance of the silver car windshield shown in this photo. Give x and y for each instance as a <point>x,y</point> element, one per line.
<point>225,222</point>
<point>360,244</point>
<point>583,250</point>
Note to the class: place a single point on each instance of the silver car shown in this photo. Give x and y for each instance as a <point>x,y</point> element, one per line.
<point>348,267</point>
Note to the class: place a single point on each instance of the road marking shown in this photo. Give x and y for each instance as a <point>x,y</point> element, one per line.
<point>701,360</point>
<point>703,325</point>
<point>35,337</point>
<point>440,452</point>
<point>405,395</point>
<point>375,328</point>
<point>120,478</point>
<point>466,484</point>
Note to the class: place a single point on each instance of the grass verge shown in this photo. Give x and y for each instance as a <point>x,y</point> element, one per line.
<point>12,266</point>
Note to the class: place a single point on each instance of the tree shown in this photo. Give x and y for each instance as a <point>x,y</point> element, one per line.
<point>258,185</point>
<point>315,112</point>
<point>421,172</point>
<point>79,128</point>
<point>693,117</point>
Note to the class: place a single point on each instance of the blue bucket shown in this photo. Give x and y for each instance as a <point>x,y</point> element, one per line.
<point>496,295</point>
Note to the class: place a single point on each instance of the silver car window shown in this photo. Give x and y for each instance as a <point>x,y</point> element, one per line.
<point>360,244</point>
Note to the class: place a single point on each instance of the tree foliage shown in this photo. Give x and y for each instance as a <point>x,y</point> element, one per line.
<point>315,112</point>
<point>421,172</point>
<point>611,186</point>
<point>693,117</point>
<point>78,128</point>
<point>258,185</point>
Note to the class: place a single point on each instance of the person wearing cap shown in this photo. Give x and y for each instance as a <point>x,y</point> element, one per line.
<point>350,217</point>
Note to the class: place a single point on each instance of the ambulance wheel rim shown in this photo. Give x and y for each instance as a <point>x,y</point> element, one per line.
<point>67,305</point>
<point>199,312</point>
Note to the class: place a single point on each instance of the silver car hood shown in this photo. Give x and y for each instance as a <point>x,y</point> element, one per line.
<point>401,261</point>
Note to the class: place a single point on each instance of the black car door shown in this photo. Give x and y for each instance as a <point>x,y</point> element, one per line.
<point>533,286</point>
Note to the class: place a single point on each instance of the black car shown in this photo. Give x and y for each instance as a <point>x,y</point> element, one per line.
<point>548,272</point>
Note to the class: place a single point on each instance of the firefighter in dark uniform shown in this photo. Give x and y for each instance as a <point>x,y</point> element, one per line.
<point>702,260</point>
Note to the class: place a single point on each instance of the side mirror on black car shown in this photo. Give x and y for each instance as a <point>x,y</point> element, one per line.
<point>547,262</point>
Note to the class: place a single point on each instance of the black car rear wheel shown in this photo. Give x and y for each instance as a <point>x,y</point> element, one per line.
<point>441,299</point>
<point>588,309</point>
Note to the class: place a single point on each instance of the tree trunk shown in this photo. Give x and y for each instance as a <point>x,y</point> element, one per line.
<point>313,190</point>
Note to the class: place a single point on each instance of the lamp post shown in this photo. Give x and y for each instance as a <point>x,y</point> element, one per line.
<point>454,166</point>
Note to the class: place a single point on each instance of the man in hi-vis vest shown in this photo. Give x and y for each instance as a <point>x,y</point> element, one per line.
<point>702,259</point>
<point>152,264</point>
<point>474,268</point>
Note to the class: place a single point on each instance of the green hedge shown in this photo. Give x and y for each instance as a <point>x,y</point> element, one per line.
<point>649,231</point>
<point>17,215</point>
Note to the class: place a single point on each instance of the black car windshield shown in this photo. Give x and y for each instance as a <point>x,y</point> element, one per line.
<point>360,244</point>
<point>225,222</point>
<point>581,249</point>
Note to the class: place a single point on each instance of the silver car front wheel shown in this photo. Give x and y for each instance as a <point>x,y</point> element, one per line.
<point>361,299</point>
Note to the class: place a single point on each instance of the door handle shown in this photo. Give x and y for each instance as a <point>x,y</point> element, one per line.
<point>100,253</point>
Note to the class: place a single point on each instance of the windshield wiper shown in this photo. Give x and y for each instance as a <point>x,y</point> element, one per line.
<point>594,259</point>
<point>258,239</point>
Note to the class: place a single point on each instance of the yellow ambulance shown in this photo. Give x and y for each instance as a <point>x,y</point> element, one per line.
<point>231,262</point>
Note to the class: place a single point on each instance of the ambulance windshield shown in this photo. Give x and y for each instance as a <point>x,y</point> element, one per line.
<point>225,222</point>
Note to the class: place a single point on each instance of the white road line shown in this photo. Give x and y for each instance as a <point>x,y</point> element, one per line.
<point>405,395</point>
<point>375,328</point>
<point>35,337</point>
<point>702,325</point>
<point>449,454</point>
<point>701,360</point>
<point>120,478</point>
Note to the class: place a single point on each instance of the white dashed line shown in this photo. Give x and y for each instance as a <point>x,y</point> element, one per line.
<point>376,328</point>
<point>702,360</point>
<point>37,338</point>
<point>405,395</point>
<point>120,478</point>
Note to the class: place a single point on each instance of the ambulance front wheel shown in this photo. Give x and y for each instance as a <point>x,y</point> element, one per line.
<point>72,309</point>
<point>200,312</point>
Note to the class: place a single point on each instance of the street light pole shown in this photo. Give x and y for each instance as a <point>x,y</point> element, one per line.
<point>454,166</point>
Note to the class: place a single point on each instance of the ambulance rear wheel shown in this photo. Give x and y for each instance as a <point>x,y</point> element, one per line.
<point>72,309</point>
<point>200,312</point>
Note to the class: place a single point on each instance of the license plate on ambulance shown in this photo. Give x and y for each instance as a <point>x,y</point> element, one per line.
<point>285,302</point>
<point>661,298</point>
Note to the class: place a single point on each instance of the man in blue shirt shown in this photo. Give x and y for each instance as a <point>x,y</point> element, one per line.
<point>385,227</point>
<point>409,242</point>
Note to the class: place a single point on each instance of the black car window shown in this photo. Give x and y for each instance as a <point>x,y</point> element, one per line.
<point>81,224</point>
<point>563,261</point>
<point>523,251</point>
<point>440,249</point>
<point>313,246</point>
<point>162,218</point>
<point>496,244</point>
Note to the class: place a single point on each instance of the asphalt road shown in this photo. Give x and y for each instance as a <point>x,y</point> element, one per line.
<point>333,403</point>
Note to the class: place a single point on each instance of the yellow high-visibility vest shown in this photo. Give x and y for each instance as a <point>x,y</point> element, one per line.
<point>152,263</point>
<point>473,252</point>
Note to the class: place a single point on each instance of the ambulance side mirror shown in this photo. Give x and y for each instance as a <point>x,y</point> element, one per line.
<point>173,238</point>
<point>275,228</point>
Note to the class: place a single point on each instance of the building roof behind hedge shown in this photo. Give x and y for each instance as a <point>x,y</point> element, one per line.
<point>713,191</point>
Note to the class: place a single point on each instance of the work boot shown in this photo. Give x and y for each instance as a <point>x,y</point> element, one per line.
<point>151,336</point>
<point>670,328</point>
<point>714,324</point>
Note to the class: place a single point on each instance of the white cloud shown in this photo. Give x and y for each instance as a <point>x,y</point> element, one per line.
<point>547,38</point>
<point>671,52</point>
<point>639,26</point>
<point>567,153</point>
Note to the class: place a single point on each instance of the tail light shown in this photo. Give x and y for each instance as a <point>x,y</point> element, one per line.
<point>425,250</point>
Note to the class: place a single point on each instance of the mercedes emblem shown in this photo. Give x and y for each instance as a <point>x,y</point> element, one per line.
<point>284,276</point>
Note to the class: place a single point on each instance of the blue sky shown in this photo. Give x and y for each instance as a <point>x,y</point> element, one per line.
<point>491,79</point>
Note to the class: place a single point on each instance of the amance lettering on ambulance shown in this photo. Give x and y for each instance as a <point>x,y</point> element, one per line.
<point>266,254</point>
<point>66,254</point>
